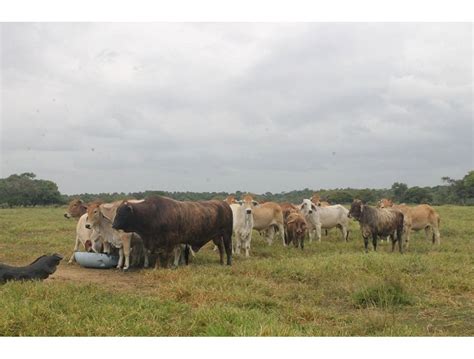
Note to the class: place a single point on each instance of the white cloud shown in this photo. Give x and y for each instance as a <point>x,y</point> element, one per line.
<point>222,106</point>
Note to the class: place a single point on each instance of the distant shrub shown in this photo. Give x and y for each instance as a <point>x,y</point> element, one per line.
<point>387,294</point>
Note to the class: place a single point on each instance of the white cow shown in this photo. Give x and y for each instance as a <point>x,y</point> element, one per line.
<point>325,217</point>
<point>243,224</point>
<point>84,237</point>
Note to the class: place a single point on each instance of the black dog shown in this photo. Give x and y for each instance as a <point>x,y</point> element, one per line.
<point>40,269</point>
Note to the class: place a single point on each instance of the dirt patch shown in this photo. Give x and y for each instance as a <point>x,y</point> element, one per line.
<point>106,278</point>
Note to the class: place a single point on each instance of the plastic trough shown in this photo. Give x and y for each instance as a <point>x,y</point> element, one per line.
<point>95,260</point>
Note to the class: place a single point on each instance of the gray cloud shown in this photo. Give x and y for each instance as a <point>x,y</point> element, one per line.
<point>258,107</point>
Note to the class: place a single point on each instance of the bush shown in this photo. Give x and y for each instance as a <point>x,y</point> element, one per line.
<point>387,294</point>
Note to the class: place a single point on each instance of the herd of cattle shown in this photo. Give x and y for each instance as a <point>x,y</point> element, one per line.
<point>169,230</point>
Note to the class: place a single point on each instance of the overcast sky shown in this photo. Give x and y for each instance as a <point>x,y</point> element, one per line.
<point>110,107</point>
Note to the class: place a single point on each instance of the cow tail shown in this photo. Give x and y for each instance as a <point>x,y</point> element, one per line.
<point>187,250</point>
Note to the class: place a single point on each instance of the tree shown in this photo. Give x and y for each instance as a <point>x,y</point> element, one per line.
<point>25,190</point>
<point>418,195</point>
<point>399,190</point>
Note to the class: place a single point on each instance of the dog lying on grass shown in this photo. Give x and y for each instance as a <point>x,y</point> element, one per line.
<point>40,269</point>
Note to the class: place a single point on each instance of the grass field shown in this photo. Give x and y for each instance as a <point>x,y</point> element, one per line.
<point>332,288</point>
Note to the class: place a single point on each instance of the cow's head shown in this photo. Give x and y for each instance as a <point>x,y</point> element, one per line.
<point>357,207</point>
<point>124,218</point>
<point>248,203</point>
<point>316,199</point>
<point>385,203</point>
<point>230,199</point>
<point>94,215</point>
<point>298,222</point>
<point>75,209</point>
<point>307,207</point>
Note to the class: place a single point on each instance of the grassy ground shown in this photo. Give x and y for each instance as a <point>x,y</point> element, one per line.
<point>330,289</point>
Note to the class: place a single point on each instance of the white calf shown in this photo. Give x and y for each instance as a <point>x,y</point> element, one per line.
<point>325,218</point>
<point>243,225</point>
<point>84,237</point>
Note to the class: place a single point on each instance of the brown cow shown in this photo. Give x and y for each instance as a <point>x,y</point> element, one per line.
<point>163,223</point>
<point>75,209</point>
<point>376,222</point>
<point>419,217</point>
<point>296,229</point>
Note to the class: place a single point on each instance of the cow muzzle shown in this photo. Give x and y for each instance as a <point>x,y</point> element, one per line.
<point>67,215</point>
<point>88,226</point>
<point>249,211</point>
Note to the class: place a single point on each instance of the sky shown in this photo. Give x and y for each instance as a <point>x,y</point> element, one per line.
<point>258,107</point>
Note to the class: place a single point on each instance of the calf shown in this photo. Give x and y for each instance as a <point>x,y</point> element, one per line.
<point>376,222</point>
<point>296,229</point>
<point>325,218</point>
<point>243,223</point>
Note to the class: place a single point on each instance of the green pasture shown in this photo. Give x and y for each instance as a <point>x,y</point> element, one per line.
<point>331,288</point>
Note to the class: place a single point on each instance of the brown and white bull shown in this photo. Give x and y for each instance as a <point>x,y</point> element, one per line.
<point>375,222</point>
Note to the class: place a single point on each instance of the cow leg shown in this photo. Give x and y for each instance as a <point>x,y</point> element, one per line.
<point>366,244</point>
<point>400,240</point>
<point>120,261</point>
<point>247,249</point>
<point>220,246</point>
<point>374,242</point>
<point>126,252</point>
<point>344,233</point>
<point>427,233</point>
<point>269,233</point>
<point>146,260</point>
<point>176,255</point>
<point>392,237</point>
<point>318,232</point>
<point>281,229</point>
<point>407,238</point>
<point>436,236</point>
<point>238,243</point>
<point>76,247</point>
<point>227,241</point>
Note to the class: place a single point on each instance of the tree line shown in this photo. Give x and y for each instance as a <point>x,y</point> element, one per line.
<point>25,190</point>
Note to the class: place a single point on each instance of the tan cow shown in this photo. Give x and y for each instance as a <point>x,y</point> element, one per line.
<point>75,209</point>
<point>316,199</point>
<point>419,217</point>
<point>230,199</point>
<point>266,217</point>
